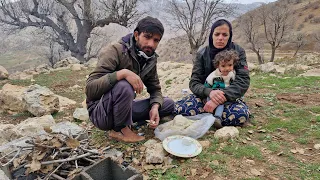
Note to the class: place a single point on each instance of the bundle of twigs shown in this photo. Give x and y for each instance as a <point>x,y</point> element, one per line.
<point>55,156</point>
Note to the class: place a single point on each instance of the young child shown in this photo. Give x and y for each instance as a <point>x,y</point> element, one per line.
<point>222,77</point>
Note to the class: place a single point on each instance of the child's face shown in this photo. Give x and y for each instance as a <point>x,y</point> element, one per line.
<point>225,67</point>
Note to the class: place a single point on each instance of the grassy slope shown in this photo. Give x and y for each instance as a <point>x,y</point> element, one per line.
<point>279,127</point>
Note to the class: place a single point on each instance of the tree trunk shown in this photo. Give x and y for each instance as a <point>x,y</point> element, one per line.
<point>273,52</point>
<point>79,56</point>
<point>193,52</point>
<point>259,58</point>
<point>295,53</point>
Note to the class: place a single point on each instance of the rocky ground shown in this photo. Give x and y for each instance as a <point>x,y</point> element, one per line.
<point>282,141</point>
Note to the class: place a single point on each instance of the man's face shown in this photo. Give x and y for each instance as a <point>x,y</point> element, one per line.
<point>147,42</point>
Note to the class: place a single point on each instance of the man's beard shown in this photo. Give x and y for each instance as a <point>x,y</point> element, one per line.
<point>149,51</point>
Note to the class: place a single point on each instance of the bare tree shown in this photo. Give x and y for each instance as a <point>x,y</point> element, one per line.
<point>70,21</point>
<point>54,53</point>
<point>317,41</point>
<point>250,28</point>
<point>194,17</point>
<point>276,23</point>
<point>299,41</point>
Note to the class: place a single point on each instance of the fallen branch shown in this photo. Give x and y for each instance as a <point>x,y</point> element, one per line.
<point>40,145</point>
<point>90,160</point>
<point>49,175</point>
<point>63,160</point>
<point>18,152</point>
<point>58,177</point>
<point>7,154</point>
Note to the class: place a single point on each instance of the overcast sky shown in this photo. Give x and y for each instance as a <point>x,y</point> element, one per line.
<point>248,1</point>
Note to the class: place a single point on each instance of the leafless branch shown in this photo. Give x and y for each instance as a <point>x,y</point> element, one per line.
<point>58,17</point>
<point>276,23</point>
<point>194,17</point>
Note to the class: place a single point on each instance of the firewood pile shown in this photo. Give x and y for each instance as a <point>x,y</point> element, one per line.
<point>53,156</point>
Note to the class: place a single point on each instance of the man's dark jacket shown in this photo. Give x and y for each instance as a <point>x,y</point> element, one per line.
<point>122,55</point>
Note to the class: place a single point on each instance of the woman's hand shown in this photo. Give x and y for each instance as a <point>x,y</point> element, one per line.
<point>210,106</point>
<point>217,97</point>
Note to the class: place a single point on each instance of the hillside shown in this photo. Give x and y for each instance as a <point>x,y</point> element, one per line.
<point>306,15</point>
<point>282,141</point>
<point>305,19</point>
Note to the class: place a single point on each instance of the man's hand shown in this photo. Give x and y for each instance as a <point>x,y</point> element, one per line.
<point>132,78</point>
<point>217,97</point>
<point>154,116</point>
<point>210,106</point>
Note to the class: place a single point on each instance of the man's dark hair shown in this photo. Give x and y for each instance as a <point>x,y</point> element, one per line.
<point>150,25</point>
<point>225,56</point>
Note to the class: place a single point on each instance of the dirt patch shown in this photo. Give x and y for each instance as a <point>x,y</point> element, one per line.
<point>300,99</point>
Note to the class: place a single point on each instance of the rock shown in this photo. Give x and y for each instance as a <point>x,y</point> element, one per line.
<point>136,161</point>
<point>155,154</point>
<point>65,102</point>
<point>3,176</point>
<point>193,172</point>
<point>251,162</point>
<point>7,133</point>
<point>205,144</point>
<point>204,175</point>
<point>312,72</point>
<point>308,59</point>
<point>215,162</point>
<point>43,68</point>
<point>167,160</point>
<point>14,144</point>
<point>40,100</point>
<point>65,127</point>
<point>252,67</point>
<point>11,98</point>
<point>226,133</point>
<point>294,67</point>
<point>268,67</point>
<point>66,62</point>
<point>75,67</point>
<point>113,153</point>
<point>316,146</point>
<point>81,114</point>
<point>3,73</point>
<point>272,177</point>
<point>149,167</point>
<point>255,172</point>
<point>262,131</point>
<point>300,150</point>
<point>280,69</point>
<point>34,126</point>
<point>150,142</point>
<point>142,149</point>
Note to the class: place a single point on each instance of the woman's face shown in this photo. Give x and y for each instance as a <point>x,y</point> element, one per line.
<point>220,36</point>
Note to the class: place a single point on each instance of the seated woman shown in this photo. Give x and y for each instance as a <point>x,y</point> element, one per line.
<point>235,112</point>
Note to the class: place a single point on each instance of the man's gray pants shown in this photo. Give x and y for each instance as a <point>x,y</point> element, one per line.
<point>117,108</point>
